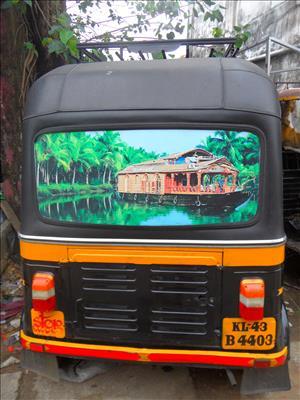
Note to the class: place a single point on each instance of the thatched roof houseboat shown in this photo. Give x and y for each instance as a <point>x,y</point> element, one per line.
<point>187,174</point>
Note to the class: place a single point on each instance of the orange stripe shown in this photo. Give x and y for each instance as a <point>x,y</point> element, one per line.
<point>152,355</point>
<point>260,256</point>
<point>229,257</point>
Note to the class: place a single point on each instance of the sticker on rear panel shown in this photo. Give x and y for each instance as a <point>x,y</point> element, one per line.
<point>239,334</point>
<point>48,323</point>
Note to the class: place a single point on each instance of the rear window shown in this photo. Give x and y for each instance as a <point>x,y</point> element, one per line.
<point>148,177</point>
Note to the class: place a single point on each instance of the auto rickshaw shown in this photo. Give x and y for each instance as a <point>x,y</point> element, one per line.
<point>290,104</point>
<point>152,228</point>
<point>290,129</point>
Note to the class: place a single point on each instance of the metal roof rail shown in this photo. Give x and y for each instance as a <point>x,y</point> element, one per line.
<point>154,46</point>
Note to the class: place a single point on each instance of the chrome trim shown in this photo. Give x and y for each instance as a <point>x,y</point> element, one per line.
<point>152,241</point>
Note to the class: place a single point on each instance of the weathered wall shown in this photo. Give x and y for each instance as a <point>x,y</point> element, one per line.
<point>280,19</point>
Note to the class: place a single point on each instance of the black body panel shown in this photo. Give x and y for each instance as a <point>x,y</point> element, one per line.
<point>187,94</point>
<point>147,304</point>
<point>267,225</point>
<point>153,306</point>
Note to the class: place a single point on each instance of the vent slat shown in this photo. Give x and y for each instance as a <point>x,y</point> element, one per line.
<point>172,271</point>
<point>105,269</point>
<point>179,312</point>
<point>179,282</point>
<point>112,328</point>
<point>173,332</point>
<point>107,280</point>
<point>179,323</point>
<point>108,289</point>
<point>110,308</point>
<point>111,319</point>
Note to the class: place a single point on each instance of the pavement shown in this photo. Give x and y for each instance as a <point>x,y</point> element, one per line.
<point>143,382</point>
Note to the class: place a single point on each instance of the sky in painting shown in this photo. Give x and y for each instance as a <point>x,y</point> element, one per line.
<point>166,140</point>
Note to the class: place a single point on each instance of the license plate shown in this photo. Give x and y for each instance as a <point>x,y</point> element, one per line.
<point>239,334</point>
<point>48,323</point>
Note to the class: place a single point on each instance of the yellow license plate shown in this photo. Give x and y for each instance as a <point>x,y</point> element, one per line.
<point>48,323</point>
<point>239,334</point>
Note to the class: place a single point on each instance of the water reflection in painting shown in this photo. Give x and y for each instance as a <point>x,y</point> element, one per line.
<point>104,209</point>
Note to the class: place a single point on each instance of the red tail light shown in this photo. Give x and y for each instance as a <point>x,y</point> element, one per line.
<point>252,299</point>
<point>43,292</point>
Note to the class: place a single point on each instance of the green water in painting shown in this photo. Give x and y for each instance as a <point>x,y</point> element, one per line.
<point>107,210</point>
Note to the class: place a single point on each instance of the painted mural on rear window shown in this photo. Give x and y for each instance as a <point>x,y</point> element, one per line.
<point>148,177</point>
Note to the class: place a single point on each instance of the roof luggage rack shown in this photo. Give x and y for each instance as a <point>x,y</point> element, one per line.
<point>93,51</point>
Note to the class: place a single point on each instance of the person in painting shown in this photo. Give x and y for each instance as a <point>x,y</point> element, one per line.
<point>221,184</point>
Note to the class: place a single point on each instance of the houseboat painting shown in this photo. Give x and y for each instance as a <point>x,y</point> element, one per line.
<point>148,177</point>
<point>194,177</point>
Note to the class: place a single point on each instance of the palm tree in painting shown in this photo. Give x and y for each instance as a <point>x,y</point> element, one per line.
<point>228,144</point>
<point>41,158</point>
<point>75,147</point>
<point>88,157</point>
<point>58,157</point>
<point>132,156</point>
<point>111,149</point>
<point>251,149</point>
<point>62,159</point>
<point>83,154</point>
<point>135,156</point>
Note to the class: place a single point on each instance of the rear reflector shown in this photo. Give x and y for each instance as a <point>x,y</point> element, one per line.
<point>36,347</point>
<point>43,292</point>
<point>252,299</point>
<point>262,363</point>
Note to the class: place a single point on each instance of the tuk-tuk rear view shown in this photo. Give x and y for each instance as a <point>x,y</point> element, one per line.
<point>152,219</point>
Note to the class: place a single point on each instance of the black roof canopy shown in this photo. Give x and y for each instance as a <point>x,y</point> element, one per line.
<point>187,93</point>
<point>190,84</point>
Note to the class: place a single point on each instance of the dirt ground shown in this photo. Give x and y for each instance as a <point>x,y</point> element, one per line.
<point>154,382</point>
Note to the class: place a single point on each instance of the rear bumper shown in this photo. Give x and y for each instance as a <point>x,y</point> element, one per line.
<point>156,356</point>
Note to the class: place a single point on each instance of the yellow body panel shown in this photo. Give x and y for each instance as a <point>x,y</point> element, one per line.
<point>259,256</point>
<point>142,256</point>
<point>228,257</point>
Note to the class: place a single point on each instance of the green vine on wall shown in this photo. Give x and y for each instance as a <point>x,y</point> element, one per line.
<point>61,38</point>
<point>65,31</point>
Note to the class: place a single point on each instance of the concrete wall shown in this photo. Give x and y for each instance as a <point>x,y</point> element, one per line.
<point>280,19</point>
